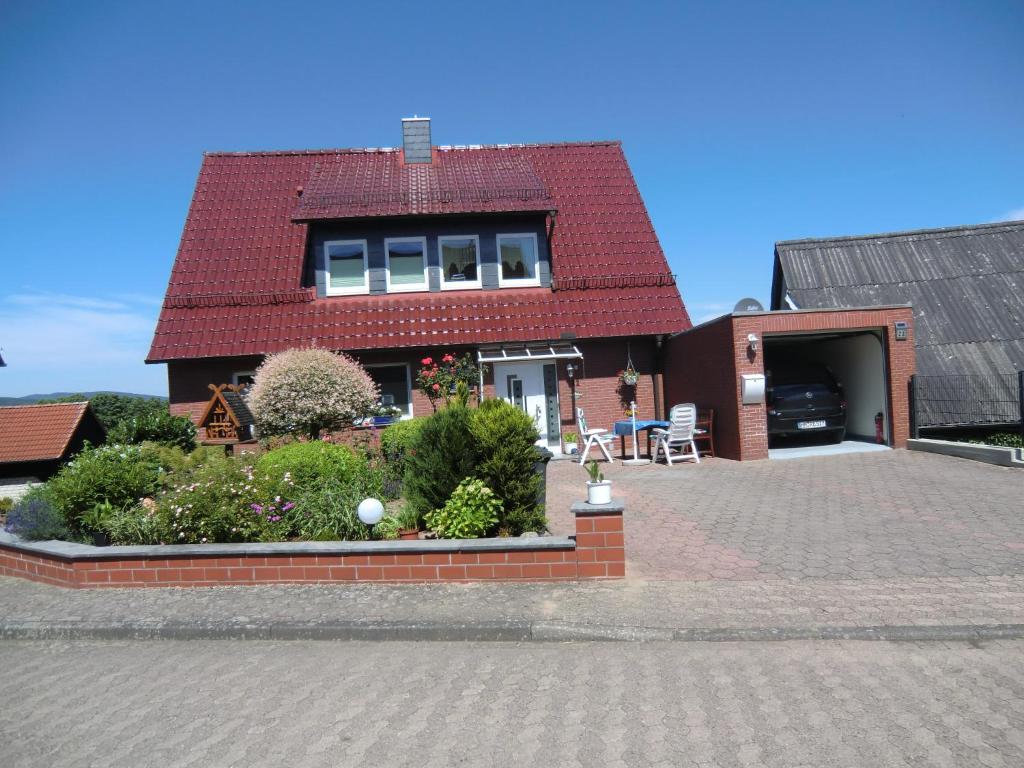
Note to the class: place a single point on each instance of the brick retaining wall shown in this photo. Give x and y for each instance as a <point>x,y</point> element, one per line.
<point>596,551</point>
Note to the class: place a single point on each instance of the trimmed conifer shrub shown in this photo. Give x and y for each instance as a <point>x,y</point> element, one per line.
<point>442,455</point>
<point>504,437</point>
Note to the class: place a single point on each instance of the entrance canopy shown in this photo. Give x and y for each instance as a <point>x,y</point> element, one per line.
<point>521,352</point>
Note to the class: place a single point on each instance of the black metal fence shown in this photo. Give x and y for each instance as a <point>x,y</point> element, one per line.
<point>968,400</point>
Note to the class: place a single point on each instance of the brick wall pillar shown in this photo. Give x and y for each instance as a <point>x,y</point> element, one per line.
<point>600,548</point>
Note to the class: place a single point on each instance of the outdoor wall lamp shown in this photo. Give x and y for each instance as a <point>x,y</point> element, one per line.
<point>570,371</point>
<point>752,341</point>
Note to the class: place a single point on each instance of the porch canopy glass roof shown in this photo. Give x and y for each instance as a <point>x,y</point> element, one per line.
<point>511,353</point>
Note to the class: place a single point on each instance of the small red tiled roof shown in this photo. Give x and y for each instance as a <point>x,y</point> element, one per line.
<point>38,432</point>
<point>237,283</point>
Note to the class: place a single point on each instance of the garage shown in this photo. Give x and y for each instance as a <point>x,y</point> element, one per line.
<point>734,364</point>
<point>825,389</point>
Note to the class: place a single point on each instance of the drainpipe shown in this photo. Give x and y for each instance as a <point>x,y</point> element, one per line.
<point>659,369</point>
<point>480,365</point>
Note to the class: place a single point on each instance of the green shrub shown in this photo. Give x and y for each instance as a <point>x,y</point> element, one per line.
<point>156,427</point>
<point>1001,439</point>
<point>5,505</point>
<point>118,474</point>
<point>471,512</point>
<point>505,438</point>
<point>139,524</point>
<point>440,457</point>
<point>304,465</point>
<point>388,527</point>
<point>395,444</point>
<point>222,500</point>
<point>327,512</point>
<point>34,518</point>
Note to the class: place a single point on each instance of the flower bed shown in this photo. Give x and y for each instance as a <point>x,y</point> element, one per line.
<point>464,472</point>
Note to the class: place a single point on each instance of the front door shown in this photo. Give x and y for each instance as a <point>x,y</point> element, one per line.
<point>533,389</point>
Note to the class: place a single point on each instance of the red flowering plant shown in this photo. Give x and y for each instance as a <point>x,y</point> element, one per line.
<point>437,378</point>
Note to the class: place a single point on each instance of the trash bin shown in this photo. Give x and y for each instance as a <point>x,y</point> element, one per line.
<point>540,467</point>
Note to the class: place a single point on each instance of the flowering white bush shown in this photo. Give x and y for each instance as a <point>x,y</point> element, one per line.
<point>309,390</point>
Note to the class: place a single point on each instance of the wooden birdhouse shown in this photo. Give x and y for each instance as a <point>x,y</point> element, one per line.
<point>227,418</point>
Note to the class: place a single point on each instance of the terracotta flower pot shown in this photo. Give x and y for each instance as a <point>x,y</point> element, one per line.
<point>408,534</point>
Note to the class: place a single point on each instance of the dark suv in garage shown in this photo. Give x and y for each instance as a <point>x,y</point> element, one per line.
<point>804,398</point>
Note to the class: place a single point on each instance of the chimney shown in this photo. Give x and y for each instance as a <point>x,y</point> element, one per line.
<point>416,139</point>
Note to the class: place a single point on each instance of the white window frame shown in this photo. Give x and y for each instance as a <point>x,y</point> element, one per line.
<point>365,288</point>
<point>458,285</point>
<point>239,374</point>
<point>519,282</point>
<point>408,383</point>
<point>425,285</point>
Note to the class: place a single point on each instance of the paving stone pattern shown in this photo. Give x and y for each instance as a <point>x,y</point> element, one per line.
<point>897,514</point>
<point>632,603</point>
<point>363,704</point>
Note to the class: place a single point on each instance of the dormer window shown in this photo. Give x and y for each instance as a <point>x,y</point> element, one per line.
<point>460,261</point>
<point>517,257</point>
<point>346,267</point>
<point>406,263</point>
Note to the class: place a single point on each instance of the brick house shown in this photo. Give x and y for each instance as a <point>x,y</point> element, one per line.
<point>35,440</point>
<point>540,260</point>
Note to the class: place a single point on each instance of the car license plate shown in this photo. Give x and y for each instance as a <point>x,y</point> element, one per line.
<point>810,424</point>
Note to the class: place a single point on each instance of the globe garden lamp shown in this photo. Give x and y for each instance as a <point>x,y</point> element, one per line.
<point>370,511</point>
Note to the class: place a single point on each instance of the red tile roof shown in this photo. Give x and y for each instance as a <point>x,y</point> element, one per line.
<point>381,184</point>
<point>38,432</point>
<point>236,286</point>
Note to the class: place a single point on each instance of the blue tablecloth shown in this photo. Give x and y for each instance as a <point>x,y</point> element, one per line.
<point>625,427</point>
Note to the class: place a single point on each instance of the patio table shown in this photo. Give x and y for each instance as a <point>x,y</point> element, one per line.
<point>625,427</point>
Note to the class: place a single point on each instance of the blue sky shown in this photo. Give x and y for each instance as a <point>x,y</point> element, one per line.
<point>745,123</point>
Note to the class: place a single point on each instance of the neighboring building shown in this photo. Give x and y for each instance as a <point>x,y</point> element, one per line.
<point>966,285</point>
<point>533,257</point>
<point>35,440</point>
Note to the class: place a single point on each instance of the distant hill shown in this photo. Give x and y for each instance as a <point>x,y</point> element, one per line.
<point>30,399</point>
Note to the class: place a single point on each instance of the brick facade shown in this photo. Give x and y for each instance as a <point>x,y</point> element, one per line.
<point>597,387</point>
<point>704,365</point>
<point>598,551</point>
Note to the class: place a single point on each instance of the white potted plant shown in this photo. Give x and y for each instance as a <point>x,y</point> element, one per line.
<point>571,446</point>
<point>599,490</point>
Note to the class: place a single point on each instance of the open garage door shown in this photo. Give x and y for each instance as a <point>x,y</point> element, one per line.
<point>826,388</point>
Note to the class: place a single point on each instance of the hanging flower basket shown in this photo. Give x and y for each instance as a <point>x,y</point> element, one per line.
<point>629,377</point>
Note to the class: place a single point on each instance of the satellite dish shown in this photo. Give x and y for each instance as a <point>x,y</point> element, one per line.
<point>748,305</point>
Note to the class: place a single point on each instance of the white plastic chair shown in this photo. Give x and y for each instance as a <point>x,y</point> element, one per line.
<point>683,424</point>
<point>598,437</point>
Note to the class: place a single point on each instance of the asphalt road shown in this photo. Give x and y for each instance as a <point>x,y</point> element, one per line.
<point>249,703</point>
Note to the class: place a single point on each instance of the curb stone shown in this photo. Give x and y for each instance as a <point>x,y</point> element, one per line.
<point>498,631</point>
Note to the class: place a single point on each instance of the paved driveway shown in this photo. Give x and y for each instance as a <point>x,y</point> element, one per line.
<point>896,514</point>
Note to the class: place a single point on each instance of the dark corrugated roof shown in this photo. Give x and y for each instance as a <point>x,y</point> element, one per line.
<point>966,285</point>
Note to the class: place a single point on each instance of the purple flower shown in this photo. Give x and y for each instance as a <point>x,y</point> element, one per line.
<point>256,507</point>
<point>287,506</point>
